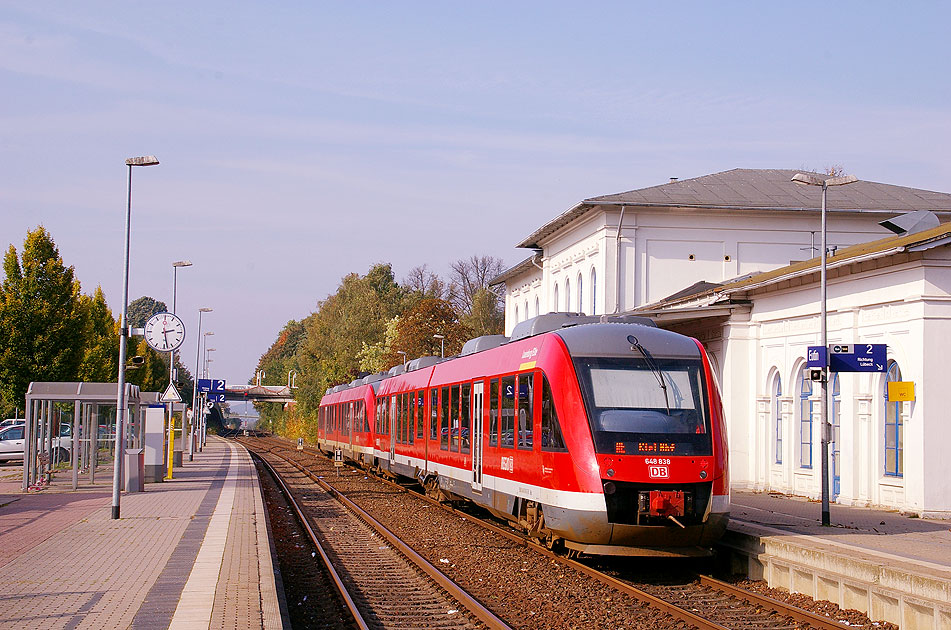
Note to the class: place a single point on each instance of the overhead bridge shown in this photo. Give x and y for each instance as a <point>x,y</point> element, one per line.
<point>260,393</point>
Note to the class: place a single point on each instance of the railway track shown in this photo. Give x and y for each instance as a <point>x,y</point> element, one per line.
<point>383,583</point>
<point>700,602</point>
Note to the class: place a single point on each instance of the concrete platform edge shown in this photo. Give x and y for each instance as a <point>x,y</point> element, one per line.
<point>914,597</point>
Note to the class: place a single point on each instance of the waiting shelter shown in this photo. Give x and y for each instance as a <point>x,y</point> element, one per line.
<point>76,423</point>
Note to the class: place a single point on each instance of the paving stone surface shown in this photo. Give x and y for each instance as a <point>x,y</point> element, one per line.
<point>65,563</point>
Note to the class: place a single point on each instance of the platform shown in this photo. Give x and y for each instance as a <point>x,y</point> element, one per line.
<point>188,553</point>
<point>893,567</point>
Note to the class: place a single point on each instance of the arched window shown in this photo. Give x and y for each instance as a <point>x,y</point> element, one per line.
<point>777,418</point>
<point>594,295</point>
<point>516,313</point>
<point>537,308</point>
<point>808,410</point>
<point>580,295</point>
<point>526,309</point>
<point>567,295</point>
<point>555,300</point>
<point>894,466</point>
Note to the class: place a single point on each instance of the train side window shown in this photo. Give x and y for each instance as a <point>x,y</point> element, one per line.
<point>526,422</point>
<point>552,439</point>
<point>494,412</point>
<point>420,413</point>
<point>444,420</point>
<point>507,438</point>
<point>410,417</point>
<point>401,418</point>
<point>465,412</point>
<point>454,416</point>
<point>434,414</point>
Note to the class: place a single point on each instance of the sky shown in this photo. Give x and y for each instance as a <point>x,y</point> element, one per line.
<point>302,141</point>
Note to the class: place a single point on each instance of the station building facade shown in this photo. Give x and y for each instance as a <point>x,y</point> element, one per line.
<point>729,258</point>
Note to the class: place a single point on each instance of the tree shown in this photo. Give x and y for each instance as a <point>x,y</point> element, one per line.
<point>356,314</point>
<point>486,316</point>
<point>468,275</point>
<point>421,284</point>
<point>41,321</point>
<point>141,309</point>
<point>415,330</point>
<point>100,361</point>
<point>152,374</point>
<point>279,359</point>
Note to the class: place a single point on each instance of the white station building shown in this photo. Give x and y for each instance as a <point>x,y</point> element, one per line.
<point>732,259</point>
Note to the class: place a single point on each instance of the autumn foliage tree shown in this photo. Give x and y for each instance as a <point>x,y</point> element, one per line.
<point>416,327</point>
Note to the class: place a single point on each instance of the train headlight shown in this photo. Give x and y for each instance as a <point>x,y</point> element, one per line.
<point>703,474</point>
<point>609,487</point>
<point>610,472</point>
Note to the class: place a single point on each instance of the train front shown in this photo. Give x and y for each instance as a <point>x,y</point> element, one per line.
<point>659,438</point>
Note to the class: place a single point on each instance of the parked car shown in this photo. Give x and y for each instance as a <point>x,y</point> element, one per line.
<point>12,440</point>
<point>9,422</point>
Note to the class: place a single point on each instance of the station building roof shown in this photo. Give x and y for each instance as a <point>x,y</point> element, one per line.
<point>755,190</point>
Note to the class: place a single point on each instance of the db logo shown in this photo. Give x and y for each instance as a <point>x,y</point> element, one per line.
<point>658,472</point>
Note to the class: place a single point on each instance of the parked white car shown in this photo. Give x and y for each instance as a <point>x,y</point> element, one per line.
<point>12,440</point>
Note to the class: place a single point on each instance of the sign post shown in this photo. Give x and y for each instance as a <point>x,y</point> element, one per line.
<point>839,357</point>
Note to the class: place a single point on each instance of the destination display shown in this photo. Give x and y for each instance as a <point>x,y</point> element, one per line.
<point>847,357</point>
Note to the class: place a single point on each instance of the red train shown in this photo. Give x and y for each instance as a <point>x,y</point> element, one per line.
<point>605,434</point>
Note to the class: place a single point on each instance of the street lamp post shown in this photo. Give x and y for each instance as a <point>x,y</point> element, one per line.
<point>201,428</point>
<point>171,371</point>
<point>208,359</point>
<point>442,345</point>
<point>191,425</point>
<point>148,160</point>
<point>814,180</point>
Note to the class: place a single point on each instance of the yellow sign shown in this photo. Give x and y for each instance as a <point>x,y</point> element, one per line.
<point>899,391</point>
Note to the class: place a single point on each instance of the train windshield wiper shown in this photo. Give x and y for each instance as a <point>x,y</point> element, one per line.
<point>654,368</point>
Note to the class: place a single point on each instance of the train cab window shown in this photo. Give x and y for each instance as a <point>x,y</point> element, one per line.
<point>630,413</point>
<point>552,439</point>
<point>420,413</point>
<point>526,398</point>
<point>507,438</point>
<point>494,412</point>
<point>434,414</point>
<point>465,412</point>
<point>444,420</point>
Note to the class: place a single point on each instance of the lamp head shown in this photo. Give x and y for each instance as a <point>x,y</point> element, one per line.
<point>145,160</point>
<point>205,309</point>
<point>182,263</point>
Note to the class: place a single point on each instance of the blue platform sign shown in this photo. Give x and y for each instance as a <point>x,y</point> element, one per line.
<point>859,357</point>
<point>216,397</point>
<point>815,357</point>
<point>211,385</point>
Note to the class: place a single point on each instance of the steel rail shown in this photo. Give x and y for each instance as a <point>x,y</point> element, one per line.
<point>672,609</point>
<point>817,621</point>
<point>796,613</point>
<point>474,606</point>
<point>338,583</point>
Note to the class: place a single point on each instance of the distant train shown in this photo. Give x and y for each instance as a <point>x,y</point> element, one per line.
<point>604,434</point>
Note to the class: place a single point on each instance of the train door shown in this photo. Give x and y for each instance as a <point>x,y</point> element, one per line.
<point>477,415</point>
<point>393,426</point>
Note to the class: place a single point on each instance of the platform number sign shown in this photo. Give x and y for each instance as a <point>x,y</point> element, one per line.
<point>213,385</point>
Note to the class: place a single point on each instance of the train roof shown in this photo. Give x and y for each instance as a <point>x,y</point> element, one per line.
<point>479,344</point>
<point>617,339</point>
<point>554,321</point>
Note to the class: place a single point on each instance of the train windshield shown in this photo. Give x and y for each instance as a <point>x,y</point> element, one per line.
<point>644,407</point>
